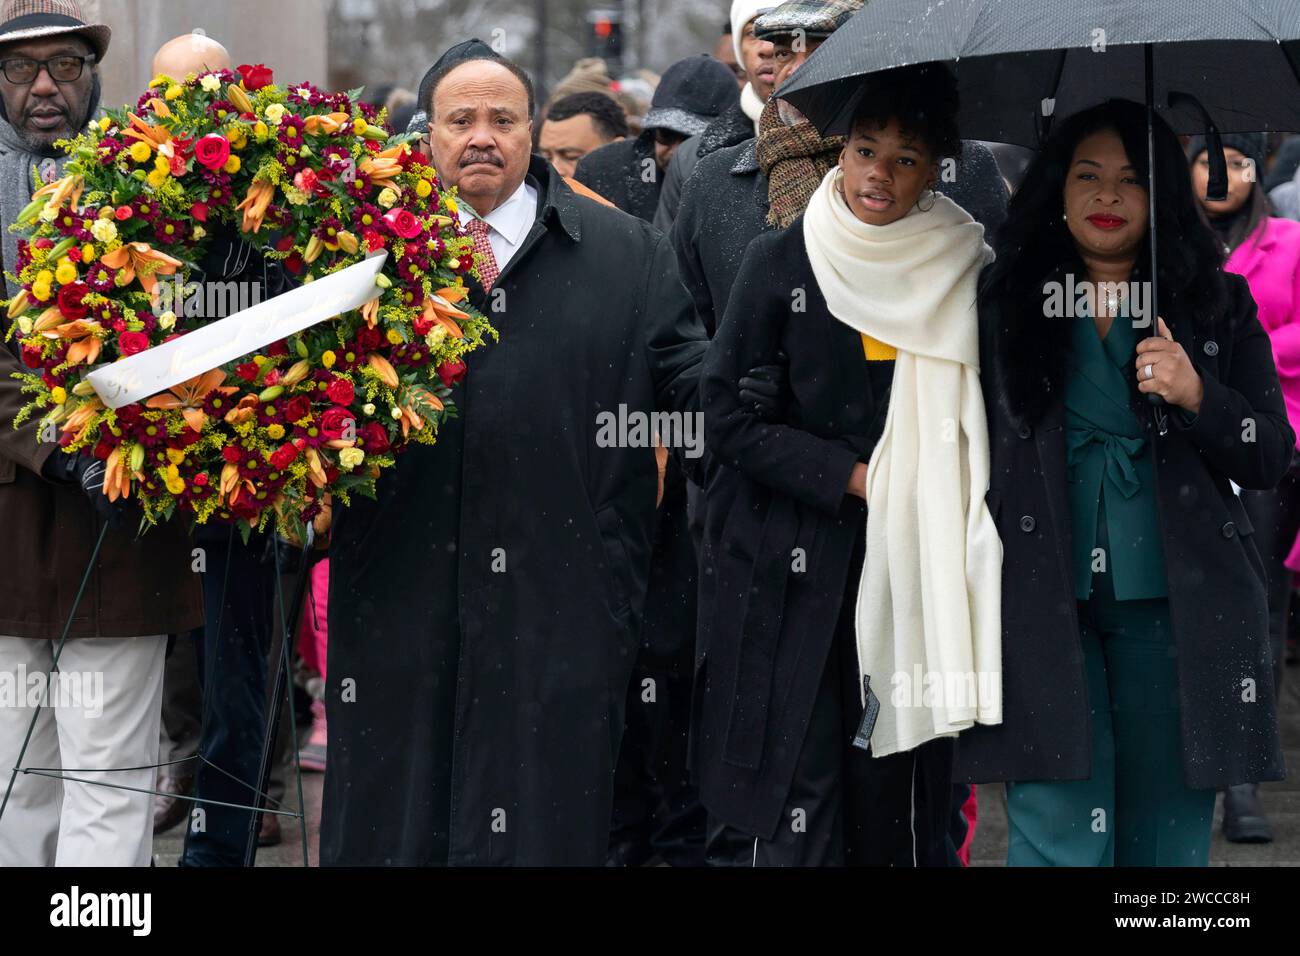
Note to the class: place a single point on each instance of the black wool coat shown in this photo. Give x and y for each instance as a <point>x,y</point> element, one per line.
<point>786,540</point>
<point>626,174</point>
<point>1217,599</point>
<point>522,547</point>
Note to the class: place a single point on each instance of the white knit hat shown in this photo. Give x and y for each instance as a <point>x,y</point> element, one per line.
<point>742,11</point>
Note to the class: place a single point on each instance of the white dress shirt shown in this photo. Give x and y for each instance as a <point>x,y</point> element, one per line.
<point>508,223</point>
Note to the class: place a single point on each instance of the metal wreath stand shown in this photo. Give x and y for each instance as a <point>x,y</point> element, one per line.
<point>288,626</point>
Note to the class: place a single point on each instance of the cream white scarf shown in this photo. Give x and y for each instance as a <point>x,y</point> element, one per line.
<point>929,616</point>
<point>751,105</point>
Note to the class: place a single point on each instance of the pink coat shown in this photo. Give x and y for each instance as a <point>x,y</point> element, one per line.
<point>1272,268</point>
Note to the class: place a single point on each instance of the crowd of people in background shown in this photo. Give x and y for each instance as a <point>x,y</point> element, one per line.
<point>650,682</point>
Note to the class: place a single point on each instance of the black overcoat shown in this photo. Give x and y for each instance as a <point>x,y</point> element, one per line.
<point>626,174</point>
<point>551,544</point>
<point>786,541</point>
<point>1217,597</point>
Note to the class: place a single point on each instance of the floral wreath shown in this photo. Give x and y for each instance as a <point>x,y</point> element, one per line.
<point>309,178</point>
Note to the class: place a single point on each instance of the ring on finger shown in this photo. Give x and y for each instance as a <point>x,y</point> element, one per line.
<point>1150,371</point>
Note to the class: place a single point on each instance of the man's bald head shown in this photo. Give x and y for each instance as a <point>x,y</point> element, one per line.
<point>191,53</point>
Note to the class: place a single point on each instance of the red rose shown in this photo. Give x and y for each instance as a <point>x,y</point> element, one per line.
<point>32,357</point>
<point>341,392</point>
<point>247,371</point>
<point>283,457</point>
<point>295,264</point>
<point>335,422</point>
<point>123,213</point>
<point>373,240</point>
<point>212,151</point>
<point>373,438</point>
<point>297,408</point>
<point>232,454</point>
<point>70,300</point>
<point>199,211</point>
<point>255,77</point>
<point>103,450</point>
<point>132,343</point>
<point>451,372</point>
<point>422,325</point>
<point>284,244</point>
<point>402,222</point>
<point>278,348</point>
<point>369,339</point>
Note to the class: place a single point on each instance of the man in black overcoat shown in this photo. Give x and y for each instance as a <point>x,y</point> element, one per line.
<point>484,610</point>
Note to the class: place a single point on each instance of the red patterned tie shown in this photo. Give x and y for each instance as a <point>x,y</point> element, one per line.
<point>487,262</point>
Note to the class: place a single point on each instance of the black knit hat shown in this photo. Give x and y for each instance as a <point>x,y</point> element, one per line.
<point>1253,146</point>
<point>474,49</point>
<point>691,94</point>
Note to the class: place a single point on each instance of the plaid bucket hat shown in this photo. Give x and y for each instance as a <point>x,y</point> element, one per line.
<point>39,19</point>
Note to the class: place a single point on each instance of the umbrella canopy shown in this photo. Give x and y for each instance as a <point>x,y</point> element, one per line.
<point>1020,62</point>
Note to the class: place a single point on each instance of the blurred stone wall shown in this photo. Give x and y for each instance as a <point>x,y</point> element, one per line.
<point>290,36</point>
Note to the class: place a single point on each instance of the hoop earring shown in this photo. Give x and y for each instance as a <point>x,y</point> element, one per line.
<point>839,182</point>
<point>934,198</point>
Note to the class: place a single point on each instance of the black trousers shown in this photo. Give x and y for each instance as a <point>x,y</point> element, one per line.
<point>845,807</point>
<point>657,810</point>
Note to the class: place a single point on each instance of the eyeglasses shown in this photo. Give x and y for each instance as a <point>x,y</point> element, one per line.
<point>23,71</point>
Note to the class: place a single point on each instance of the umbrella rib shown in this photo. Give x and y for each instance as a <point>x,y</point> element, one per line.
<point>1045,126</point>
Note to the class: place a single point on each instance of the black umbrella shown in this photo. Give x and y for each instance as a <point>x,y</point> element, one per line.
<point>1202,65</point>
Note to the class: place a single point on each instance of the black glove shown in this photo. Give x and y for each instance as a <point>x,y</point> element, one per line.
<point>87,472</point>
<point>767,388</point>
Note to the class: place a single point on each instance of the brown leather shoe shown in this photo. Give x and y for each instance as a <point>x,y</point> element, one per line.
<point>268,830</point>
<point>169,810</point>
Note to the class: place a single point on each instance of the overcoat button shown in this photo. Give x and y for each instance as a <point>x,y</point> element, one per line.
<point>1211,348</point>
<point>1027,523</point>
<point>1025,431</point>
<point>1228,530</point>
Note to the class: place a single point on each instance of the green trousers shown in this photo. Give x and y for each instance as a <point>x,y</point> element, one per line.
<point>1135,810</point>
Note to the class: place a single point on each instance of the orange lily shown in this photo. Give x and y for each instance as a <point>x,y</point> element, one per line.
<point>370,312</point>
<point>254,205</point>
<point>60,191</point>
<point>387,374</point>
<point>80,420</point>
<point>48,320</point>
<point>84,336</point>
<point>384,165</point>
<point>315,470</point>
<point>117,476</point>
<point>189,396</point>
<point>140,260</point>
<point>155,136</point>
<point>330,123</point>
<point>245,410</point>
<point>440,312</point>
<point>231,486</point>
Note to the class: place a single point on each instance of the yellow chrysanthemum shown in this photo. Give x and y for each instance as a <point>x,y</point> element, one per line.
<point>275,431</point>
<point>156,178</point>
<point>174,92</point>
<point>58,395</point>
<point>66,272</point>
<point>140,151</point>
<point>423,188</point>
<point>328,359</point>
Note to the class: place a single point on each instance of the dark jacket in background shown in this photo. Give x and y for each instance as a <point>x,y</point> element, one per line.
<point>730,128</point>
<point>626,174</point>
<point>1216,579</point>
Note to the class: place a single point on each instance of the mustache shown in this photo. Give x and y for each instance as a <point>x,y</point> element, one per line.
<point>472,156</point>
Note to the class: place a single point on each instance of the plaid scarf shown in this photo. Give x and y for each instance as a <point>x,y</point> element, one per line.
<point>795,160</point>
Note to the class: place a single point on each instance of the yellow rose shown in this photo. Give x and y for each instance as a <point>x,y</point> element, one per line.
<point>275,113</point>
<point>423,188</point>
<point>66,271</point>
<point>349,458</point>
<point>140,151</point>
<point>387,198</point>
<point>167,320</point>
<point>58,395</point>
